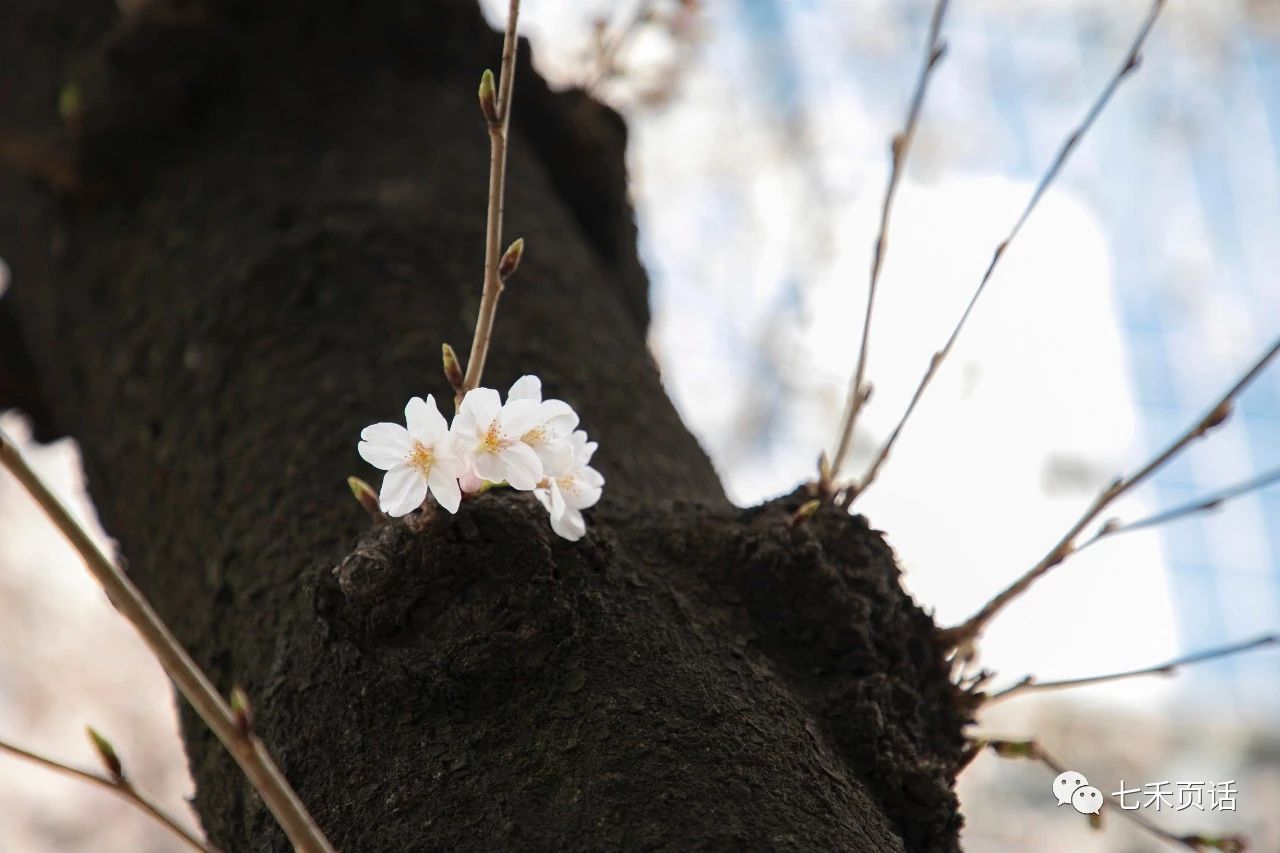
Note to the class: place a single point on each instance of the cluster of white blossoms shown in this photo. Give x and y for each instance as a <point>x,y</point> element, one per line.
<point>527,442</point>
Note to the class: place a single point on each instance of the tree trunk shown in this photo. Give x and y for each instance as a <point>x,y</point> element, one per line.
<point>280,220</point>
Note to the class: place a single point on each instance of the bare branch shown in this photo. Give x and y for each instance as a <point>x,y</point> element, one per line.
<point>1131,61</point>
<point>900,145</point>
<point>1114,526</point>
<point>610,46</point>
<point>1030,685</point>
<point>249,752</point>
<point>499,121</point>
<point>119,786</point>
<point>1031,750</point>
<point>965,634</point>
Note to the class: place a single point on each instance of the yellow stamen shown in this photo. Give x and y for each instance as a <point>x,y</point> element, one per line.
<point>493,440</point>
<point>421,457</point>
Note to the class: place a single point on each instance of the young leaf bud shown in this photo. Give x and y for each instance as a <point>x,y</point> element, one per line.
<point>71,107</point>
<point>1014,748</point>
<point>511,259</point>
<point>452,369</point>
<point>488,98</point>
<point>1218,416</point>
<point>107,753</point>
<point>367,498</point>
<point>806,510</point>
<point>242,711</point>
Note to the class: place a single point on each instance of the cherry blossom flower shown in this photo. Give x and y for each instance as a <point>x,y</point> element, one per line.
<point>417,458</point>
<point>488,436</point>
<point>556,421</point>
<point>567,491</point>
<point>528,443</point>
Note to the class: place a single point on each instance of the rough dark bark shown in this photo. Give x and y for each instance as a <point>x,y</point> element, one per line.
<point>282,220</point>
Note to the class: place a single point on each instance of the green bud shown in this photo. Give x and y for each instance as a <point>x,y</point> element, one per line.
<point>242,711</point>
<point>452,369</point>
<point>488,98</point>
<point>107,753</point>
<point>806,510</point>
<point>70,104</point>
<point>1014,748</point>
<point>366,497</point>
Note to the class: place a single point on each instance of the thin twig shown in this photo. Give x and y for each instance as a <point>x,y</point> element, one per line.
<point>966,633</point>
<point>498,128</point>
<point>120,787</point>
<point>1030,685</point>
<point>901,144</point>
<point>1131,61</point>
<point>1114,526</point>
<point>609,47</point>
<point>1032,751</point>
<point>248,750</point>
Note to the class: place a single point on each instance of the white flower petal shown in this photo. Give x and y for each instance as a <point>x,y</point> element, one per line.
<point>388,434</point>
<point>518,417</point>
<point>582,496</point>
<point>527,387</point>
<point>558,417</point>
<point>426,424</point>
<point>380,455</point>
<point>591,477</point>
<point>522,467</point>
<point>479,407</point>
<point>403,490</point>
<point>489,466</point>
<point>445,489</point>
<point>448,459</point>
<point>556,456</point>
<point>582,449</point>
<point>557,507</point>
<point>544,498</point>
<point>570,525</point>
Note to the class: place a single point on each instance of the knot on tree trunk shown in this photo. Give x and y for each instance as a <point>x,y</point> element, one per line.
<point>826,603</point>
<point>681,676</point>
